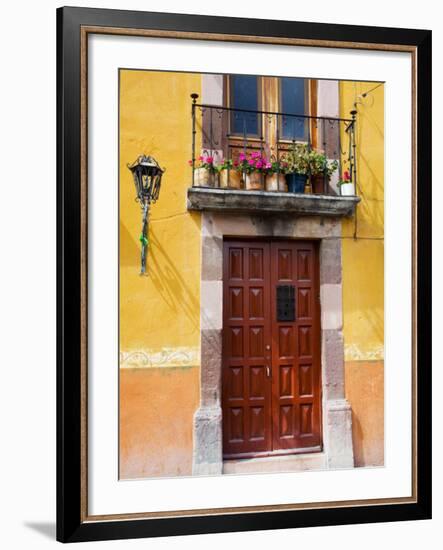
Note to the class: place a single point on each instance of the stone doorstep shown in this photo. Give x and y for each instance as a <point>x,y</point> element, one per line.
<point>277,464</point>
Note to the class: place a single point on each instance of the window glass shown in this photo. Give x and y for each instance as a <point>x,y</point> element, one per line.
<point>293,102</point>
<point>244,95</point>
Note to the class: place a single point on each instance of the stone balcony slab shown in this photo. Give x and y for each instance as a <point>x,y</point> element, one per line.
<point>266,202</point>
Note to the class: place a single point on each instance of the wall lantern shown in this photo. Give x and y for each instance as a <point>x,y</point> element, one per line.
<point>147,176</point>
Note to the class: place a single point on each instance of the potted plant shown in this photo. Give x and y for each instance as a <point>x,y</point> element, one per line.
<point>297,167</point>
<point>229,176</point>
<point>204,171</point>
<point>255,167</point>
<point>321,170</point>
<point>346,186</point>
<point>276,179</point>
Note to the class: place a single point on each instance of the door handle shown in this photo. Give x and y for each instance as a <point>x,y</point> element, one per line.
<point>268,371</point>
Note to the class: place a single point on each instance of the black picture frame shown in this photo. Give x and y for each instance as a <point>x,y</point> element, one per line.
<point>72,526</point>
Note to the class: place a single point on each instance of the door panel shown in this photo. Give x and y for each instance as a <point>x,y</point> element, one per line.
<point>296,348</point>
<point>271,368</point>
<point>247,401</point>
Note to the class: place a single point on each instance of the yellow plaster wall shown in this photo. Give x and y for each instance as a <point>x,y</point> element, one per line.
<point>159,313</point>
<point>363,257</point>
<point>363,277</point>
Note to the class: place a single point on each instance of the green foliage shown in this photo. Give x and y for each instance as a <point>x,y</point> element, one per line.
<point>319,163</point>
<point>226,164</point>
<point>297,159</point>
<point>300,159</point>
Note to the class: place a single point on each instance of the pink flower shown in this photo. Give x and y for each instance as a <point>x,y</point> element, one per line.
<point>190,162</point>
<point>268,165</point>
<point>241,157</point>
<point>346,176</point>
<point>259,164</point>
<point>201,158</point>
<point>255,154</point>
<point>235,162</point>
<point>251,162</point>
<point>209,160</point>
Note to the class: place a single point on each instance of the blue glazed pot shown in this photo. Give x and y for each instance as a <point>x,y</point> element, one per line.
<point>296,182</point>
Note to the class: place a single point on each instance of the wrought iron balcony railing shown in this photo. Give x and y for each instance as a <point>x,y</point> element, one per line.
<point>226,132</point>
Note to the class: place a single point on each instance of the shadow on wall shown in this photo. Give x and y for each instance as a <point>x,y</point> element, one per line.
<point>129,247</point>
<point>370,133</point>
<point>168,281</point>
<point>373,318</point>
<point>357,440</point>
<point>170,284</point>
<point>371,207</point>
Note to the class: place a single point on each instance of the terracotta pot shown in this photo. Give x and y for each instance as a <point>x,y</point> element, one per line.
<point>276,182</point>
<point>230,179</point>
<point>319,184</point>
<point>204,178</point>
<point>254,181</point>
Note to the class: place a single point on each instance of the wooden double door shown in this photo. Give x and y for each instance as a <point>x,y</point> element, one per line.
<point>271,348</point>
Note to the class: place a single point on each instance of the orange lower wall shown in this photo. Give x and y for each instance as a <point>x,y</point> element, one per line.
<point>364,386</point>
<point>157,407</point>
<point>156,420</point>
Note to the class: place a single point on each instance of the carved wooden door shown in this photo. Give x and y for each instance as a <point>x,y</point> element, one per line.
<point>271,348</point>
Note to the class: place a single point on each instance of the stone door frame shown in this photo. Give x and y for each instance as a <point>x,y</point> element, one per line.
<point>336,411</point>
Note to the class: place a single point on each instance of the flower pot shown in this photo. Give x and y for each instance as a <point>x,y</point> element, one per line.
<point>254,181</point>
<point>276,182</point>
<point>347,190</point>
<point>296,182</point>
<point>204,178</point>
<point>231,179</point>
<point>319,184</point>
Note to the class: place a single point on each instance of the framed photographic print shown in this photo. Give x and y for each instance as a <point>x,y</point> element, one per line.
<point>244,274</point>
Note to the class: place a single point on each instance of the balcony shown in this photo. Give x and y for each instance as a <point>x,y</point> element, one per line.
<point>269,203</point>
<point>236,143</point>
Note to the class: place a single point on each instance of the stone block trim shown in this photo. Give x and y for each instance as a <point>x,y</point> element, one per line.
<point>339,432</point>
<point>211,312</point>
<point>331,307</point>
<point>333,364</point>
<point>211,358</point>
<point>330,264</point>
<point>219,225</point>
<point>212,259</point>
<point>337,417</point>
<point>208,437</point>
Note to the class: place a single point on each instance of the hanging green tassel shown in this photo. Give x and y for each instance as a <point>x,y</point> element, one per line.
<point>143,240</point>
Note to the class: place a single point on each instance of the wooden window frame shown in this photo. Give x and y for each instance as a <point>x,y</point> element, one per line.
<point>229,102</point>
<point>311,95</point>
<point>269,99</point>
